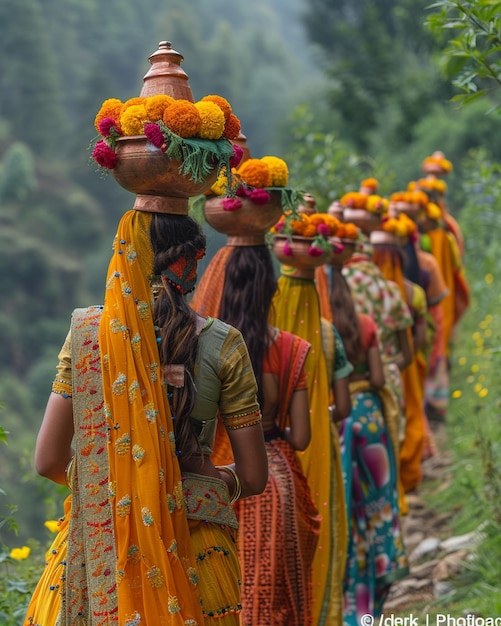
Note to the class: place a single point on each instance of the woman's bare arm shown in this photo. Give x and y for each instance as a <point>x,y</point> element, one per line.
<point>53,449</point>
<point>251,460</point>
<point>375,365</point>
<point>299,433</point>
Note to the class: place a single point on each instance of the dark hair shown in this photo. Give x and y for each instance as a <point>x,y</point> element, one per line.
<point>411,263</point>
<point>249,286</point>
<point>345,317</point>
<point>173,237</point>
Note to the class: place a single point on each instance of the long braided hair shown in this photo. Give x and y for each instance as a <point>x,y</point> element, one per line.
<point>345,317</point>
<point>249,286</point>
<point>175,237</point>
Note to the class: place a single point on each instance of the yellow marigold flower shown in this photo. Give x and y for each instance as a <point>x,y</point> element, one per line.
<point>221,102</point>
<point>433,211</point>
<point>255,173</point>
<point>489,278</point>
<point>462,360</point>
<point>483,392</point>
<point>52,525</point>
<point>221,185</point>
<point>112,107</point>
<point>19,554</point>
<point>132,119</point>
<point>155,106</point>
<point>390,225</point>
<point>376,204</point>
<point>182,118</point>
<point>278,170</point>
<point>457,393</point>
<point>232,127</point>
<point>212,120</point>
<point>474,368</point>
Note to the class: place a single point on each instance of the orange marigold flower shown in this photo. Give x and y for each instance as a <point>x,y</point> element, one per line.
<point>354,200</point>
<point>390,225</point>
<point>182,118</point>
<point>212,120</point>
<point>278,170</point>
<point>133,102</point>
<point>112,107</point>
<point>132,119</point>
<point>232,127</point>
<point>221,102</point>
<point>255,173</point>
<point>370,183</point>
<point>350,230</point>
<point>156,105</point>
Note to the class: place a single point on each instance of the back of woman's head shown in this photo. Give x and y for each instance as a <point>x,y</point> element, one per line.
<point>345,317</point>
<point>178,242</point>
<point>249,286</point>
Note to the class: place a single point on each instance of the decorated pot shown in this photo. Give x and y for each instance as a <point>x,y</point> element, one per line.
<point>247,225</point>
<point>154,177</point>
<point>298,257</point>
<point>342,250</point>
<point>365,220</point>
<point>382,237</point>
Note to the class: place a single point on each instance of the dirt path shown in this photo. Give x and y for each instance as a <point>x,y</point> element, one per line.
<point>423,529</point>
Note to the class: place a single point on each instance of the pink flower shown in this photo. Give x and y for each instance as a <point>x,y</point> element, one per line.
<point>324,230</point>
<point>315,251</point>
<point>279,226</point>
<point>107,126</point>
<point>338,248</point>
<point>238,153</point>
<point>231,204</point>
<point>154,135</point>
<point>287,249</point>
<point>242,191</point>
<point>259,196</point>
<point>104,155</point>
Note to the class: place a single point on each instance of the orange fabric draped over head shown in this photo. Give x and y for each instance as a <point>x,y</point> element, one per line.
<point>155,571</point>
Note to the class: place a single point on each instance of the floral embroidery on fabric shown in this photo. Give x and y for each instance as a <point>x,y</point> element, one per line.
<point>161,475</point>
<point>137,452</point>
<point>118,386</point>
<point>112,489</point>
<point>172,441</point>
<point>192,575</point>
<point>122,444</point>
<point>105,362</point>
<point>133,391</point>
<point>153,372</point>
<point>133,555</point>
<point>173,547</point>
<point>126,290</point>
<point>173,604</point>
<point>143,310</point>
<point>155,577</point>
<point>150,412</point>
<point>171,503</point>
<point>130,253</point>
<point>133,620</point>
<point>147,516</point>
<point>123,506</point>
<point>178,495</point>
<point>136,343</point>
<point>117,326</point>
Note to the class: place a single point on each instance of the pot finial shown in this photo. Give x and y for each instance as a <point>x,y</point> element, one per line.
<point>165,75</point>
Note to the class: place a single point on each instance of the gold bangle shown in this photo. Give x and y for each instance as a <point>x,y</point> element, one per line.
<point>70,472</point>
<point>237,492</point>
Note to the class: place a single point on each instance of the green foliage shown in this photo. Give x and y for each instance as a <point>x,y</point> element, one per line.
<point>472,56</point>
<point>17,176</point>
<point>474,431</point>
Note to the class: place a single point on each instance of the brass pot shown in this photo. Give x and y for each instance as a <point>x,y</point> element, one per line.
<point>300,258</point>
<point>248,225</point>
<point>154,177</point>
<point>338,258</point>
<point>365,220</point>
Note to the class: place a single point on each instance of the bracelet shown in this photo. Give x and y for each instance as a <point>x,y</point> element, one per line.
<point>238,485</point>
<point>70,472</point>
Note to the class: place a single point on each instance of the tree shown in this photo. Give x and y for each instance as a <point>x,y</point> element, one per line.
<point>472,56</point>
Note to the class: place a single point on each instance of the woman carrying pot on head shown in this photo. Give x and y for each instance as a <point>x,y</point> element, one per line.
<point>148,535</point>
